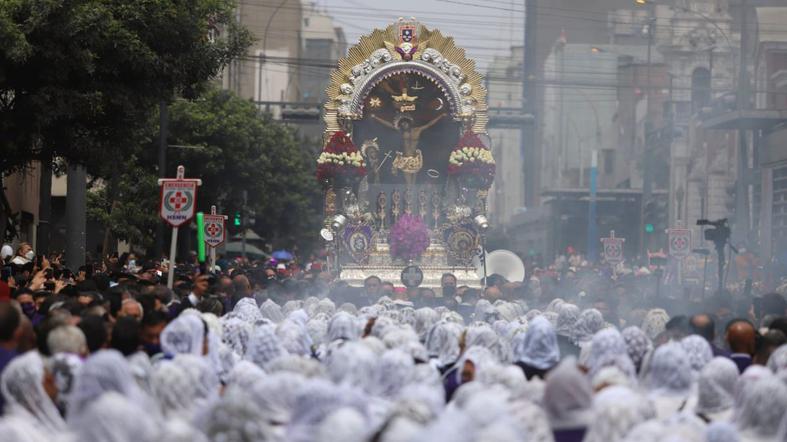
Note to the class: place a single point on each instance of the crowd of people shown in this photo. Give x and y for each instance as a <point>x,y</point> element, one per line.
<point>276,351</point>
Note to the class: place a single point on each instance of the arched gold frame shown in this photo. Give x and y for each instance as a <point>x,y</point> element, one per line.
<point>375,57</point>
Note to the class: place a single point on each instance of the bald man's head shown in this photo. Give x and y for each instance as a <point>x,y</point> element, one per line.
<point>703,325</point>
<point>741,336</point>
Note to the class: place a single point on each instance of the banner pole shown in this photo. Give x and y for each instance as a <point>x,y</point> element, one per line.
<point>173,247</point>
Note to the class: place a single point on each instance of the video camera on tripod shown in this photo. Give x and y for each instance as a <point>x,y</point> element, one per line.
<point>719,235</point>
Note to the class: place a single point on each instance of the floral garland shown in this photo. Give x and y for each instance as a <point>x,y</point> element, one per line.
<point>340,159</point>
<point>471,159</point>
<point>409,237</point>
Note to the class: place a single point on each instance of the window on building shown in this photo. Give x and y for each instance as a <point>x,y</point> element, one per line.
<point>700,89</point>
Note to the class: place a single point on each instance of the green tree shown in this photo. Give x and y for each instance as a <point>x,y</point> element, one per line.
<point>232,146</point>
<point>79,78</point>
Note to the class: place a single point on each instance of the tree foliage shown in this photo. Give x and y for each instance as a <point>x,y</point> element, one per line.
<point>232,146</point>
<point>80,78</point>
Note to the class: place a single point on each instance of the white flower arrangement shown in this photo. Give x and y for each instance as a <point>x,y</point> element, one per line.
<point>351,159</point>
<point>471,155</point>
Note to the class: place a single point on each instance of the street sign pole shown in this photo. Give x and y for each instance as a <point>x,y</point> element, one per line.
<point>177,207</point>
<point>173,248</point>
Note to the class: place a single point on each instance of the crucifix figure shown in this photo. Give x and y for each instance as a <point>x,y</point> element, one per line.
<point>410,160</point>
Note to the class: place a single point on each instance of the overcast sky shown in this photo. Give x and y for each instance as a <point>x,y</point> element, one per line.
<point>483,27</point>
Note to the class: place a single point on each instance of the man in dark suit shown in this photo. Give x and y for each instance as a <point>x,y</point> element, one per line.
<point>703,325</point>
<point>741,338</point>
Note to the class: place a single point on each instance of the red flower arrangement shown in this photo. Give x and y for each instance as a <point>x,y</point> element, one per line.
<point>472,162</point>
<point>409,237</point>
<point>340,160</point>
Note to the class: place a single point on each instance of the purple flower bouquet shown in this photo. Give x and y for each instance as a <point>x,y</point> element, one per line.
<point>409,237</point>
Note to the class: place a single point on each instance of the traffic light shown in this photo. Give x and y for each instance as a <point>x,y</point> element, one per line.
<point>655,215</point>
<point>649,228</point>
<point>237,221</point>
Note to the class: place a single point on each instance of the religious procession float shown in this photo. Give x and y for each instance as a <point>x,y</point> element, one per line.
<point>406,163</point>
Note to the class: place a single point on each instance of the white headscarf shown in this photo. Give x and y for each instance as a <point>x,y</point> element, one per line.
<point>670,372</point>
<point>616,410</point>
<point>235,334</point>
<point>115,418</point>
<point>442,342</point>
<point>721,431</point>
<point>20,429</point>
<point>538,347</point>
<point>568,396</point>
<point>481,334</point>
<point>716,386</point>
<point>294,337</point>
<point>638,344</point>
<point>184,335</point>
<point>271,311</point>
<point>763,408</point>
<point>354,364</point>
<point>343,326</point>
<point>778,359</point>
<point>244,374</point>
<point>698,350</point>
<point>394,372</point>
<point>22,386</point>
<point>424,319</point>
<point>590,321</point>
<point>246,309</point>
<point>655,322</point>
<point>184,386</point>
<point>104,371</point>
<point>275,396</point>
<point>608,348</point>
<point>567,316</point>
<point>264,346</point>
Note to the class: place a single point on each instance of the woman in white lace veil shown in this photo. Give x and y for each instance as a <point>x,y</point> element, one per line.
<point>425,318</point>
<point>442,343</point>
<point>185,335</point>
<point>590,321</point>
<point>568,398</point>
<point>638,345</point>
<point>536,351</point>
<point>655,322</point>
<point>246,310</point>
<point>763,408</point>
<point>616,410</point>
<point>244,374</point>
<point>669,379</point>
<point>235,334</point>
<point>115,418</point>
<point>698,351</point>
<point>394,373</point>
<point>264,346</point>
<point>608,348</point>
<point>294,337</point>
<point>716,390</point>
<point>272,311</point>
<point>103,371</point>
<point>22,385</point>
<point>184,386</point>
<point>567,316</point>
<point>343,326</point>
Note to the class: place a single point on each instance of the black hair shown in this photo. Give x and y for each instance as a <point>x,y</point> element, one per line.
<point>772,304</point>
<point>152,318</point>
<point>95,331</point>
<point>9,321</point>
<point>115,297</point>
<point>125,335</point>
<point>379,281</point>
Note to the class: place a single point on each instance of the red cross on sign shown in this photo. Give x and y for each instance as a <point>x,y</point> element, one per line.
<point>215,232</point>
<point>679,242</point>
<point>178,200</point>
